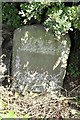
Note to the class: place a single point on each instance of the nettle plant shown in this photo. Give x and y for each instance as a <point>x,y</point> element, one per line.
<point>58,18</point>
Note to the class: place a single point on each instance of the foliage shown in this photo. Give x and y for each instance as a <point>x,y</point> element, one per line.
<point>73,14</point>
<point>73,70</point>
<point>31,10</point>
<point>59,19</point>
<point>10,14</point>
<point>11,115</point>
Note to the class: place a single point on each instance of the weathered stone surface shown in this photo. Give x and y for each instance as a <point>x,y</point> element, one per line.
<point>39,59</point>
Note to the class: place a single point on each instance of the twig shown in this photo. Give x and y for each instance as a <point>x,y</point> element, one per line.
<point>74,89</point>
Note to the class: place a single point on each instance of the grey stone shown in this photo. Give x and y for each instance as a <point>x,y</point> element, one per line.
<point>39,59</point>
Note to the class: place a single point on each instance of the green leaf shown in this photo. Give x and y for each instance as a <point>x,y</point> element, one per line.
<point>10,114</point>
<point>26,117</point>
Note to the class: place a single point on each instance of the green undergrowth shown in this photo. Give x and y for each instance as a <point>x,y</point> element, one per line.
<point>11,115</point>
<point>58,18</point>
<point>73,70</point>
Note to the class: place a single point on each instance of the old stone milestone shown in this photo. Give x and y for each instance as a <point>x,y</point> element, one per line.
<point>39,59</point>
